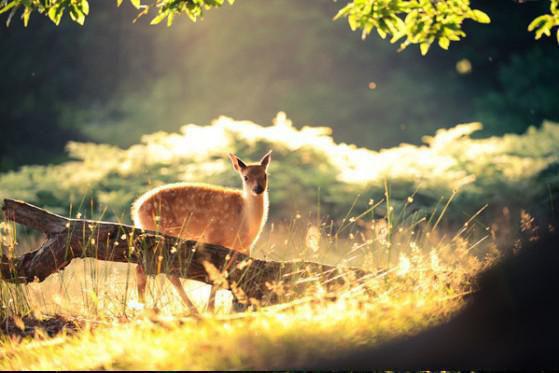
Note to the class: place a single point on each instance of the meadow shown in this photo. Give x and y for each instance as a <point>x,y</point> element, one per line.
<point>422,220</point>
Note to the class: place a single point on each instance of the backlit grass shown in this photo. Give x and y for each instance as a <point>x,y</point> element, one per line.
<point>409,216</point>
<point>419,277</point>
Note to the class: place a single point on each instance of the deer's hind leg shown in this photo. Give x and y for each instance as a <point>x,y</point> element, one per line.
<point>211,299</point>
<point>141,282</point>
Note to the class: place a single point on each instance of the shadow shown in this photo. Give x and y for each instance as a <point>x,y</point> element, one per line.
<point>512,321</point>
<point>29,326</point>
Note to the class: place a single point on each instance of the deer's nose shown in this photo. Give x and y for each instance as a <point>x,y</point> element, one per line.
<point>258,189</point>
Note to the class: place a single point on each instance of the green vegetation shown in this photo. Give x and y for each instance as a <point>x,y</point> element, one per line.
<point>78,104</point>
<point>418,278</point>
<point>420,22</point>
<point>544,24</point>
<point>411,215</point>
<point>79,9</point>
<point>513,170</point>
<point>419,271</point>
<point>86,84</point>
<point>423,21</point>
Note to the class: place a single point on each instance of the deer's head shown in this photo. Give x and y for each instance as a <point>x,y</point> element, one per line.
<point>254,176</point>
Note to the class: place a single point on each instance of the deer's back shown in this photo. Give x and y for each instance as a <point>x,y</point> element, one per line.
<point>193,211</point>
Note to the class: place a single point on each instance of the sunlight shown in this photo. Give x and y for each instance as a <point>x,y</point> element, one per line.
<point>227,185</point>
<point>404,265</point>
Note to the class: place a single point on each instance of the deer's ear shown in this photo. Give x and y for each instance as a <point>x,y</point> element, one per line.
<point>237,163</point>
<point>265,161</point>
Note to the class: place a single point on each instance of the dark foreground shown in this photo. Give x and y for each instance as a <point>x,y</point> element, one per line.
<point>512,321</point>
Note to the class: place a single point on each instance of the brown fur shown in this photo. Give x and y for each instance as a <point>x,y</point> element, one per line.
<point>203,213</point>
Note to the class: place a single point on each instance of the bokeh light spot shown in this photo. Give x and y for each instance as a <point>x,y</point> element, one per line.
<point>464,66</point>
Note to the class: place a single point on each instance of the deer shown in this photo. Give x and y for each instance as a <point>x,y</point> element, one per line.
<point>206,213</point>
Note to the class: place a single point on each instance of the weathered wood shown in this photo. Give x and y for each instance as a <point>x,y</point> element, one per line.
<point>67,239</point>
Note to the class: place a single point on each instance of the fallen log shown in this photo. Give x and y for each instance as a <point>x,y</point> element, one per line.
<point>250,279</point>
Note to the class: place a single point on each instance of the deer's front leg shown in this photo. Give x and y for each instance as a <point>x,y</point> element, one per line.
<point>186,300</point>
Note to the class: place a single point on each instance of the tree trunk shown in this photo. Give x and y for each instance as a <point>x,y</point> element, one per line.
<point>249,279</point>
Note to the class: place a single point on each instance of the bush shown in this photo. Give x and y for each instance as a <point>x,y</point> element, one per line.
<point>309,170</point>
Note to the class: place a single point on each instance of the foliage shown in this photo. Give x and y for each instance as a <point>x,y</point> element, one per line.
<point>543,24</point>
<point>308,168</point>
<point>79,9</point>
<point>86,84</point>
<point>420,22</point>
<point>168,9</point>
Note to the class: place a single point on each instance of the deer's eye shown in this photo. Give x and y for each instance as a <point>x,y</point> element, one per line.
<point>246,178</point>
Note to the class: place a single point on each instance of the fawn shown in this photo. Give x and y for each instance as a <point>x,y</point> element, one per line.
<point>206,213</point>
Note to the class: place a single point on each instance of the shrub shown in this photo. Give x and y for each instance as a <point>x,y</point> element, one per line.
<point>309,170</point>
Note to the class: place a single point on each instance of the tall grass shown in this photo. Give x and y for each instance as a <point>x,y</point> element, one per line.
<point>419,275</point>
<point>391,221</point>
<point>14,299</point>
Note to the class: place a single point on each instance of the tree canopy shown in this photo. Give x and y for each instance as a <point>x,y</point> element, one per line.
<point>418,22</point>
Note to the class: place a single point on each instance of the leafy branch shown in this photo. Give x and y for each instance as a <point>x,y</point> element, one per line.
<point>54,9</point>
<point>543,24</point>
<point>79,9</point>
<point>417,22</point>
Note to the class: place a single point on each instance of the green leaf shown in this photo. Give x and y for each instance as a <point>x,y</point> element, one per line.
<point>481,17</point>
<point>366,31</point>
<point>381,32</point>
<point>191,15</point>
<point>398,36</point>
<point>160,17</point>
<point>558,36</point>
<point>8,7</point>
<point>76,15</point>
<point>25,16</point>
<point>136,3</point>
<point>55,14</point>
<point>353,23</point>
<point>537,21</point>
<point>391,27</point>
<point>545,29</point>
<point>400,24</point>
<point>118,3</point>
<point>85,7</point>
<point>444,42</point>
<point>80,19</point>
<point>170,19</point>
<point>424,47</point>
<point>343,12</point>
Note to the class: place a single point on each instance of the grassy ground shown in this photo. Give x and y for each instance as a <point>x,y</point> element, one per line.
<point>287,335</point>
<point>88,317</point>
<point>419,277</point>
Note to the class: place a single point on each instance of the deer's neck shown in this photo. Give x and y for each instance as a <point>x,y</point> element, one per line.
<point>256,212</point>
